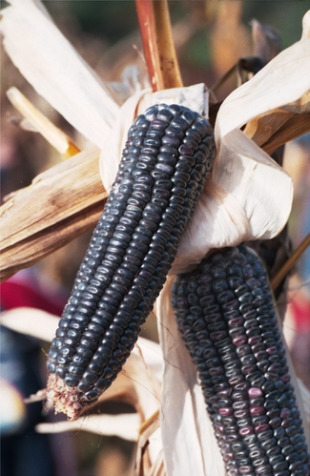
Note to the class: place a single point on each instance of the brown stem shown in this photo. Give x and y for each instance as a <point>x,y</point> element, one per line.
<point>158,45</point>
<point>276,280</point>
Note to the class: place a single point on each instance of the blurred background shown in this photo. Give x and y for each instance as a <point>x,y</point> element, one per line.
<point>210,37</point>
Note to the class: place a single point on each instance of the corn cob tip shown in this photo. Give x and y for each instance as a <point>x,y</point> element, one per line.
<point>63,399</point>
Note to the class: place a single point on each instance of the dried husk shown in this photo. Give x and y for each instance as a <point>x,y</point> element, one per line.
<point>229,197</point>
<point>60,204</point>
<point>56,71</point>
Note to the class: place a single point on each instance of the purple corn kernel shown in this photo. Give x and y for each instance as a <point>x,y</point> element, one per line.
<point>257,411</point>
<point>255,392</point>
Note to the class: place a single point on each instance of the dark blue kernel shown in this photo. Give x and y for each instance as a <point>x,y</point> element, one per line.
<point>293,467</point>
<point>89,343</point>
<point>75,370</point>
<point>283,441</point>
<point>99,359</point>
<point>71,380</point>
<point>89,377</point>
<point>84,386</point>
<point>92,395</point>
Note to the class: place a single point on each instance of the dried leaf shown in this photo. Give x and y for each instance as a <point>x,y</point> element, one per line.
<point>60,204</point>
<point>305,396</point>
<point>235,205</point>
<point>125,426</point>
<point>249,197</point>
<point>266,41</point>
<point>277,127</point>
<point>39,123</point>
<point>56,71</point>
<point>189,443</point>
<point>280,82</point>
<point>228,227</point>
<point>30,321</point>
<point>149,448</point>
<point>240,201</point>
<point>306,25</point>
<point>138,383</point>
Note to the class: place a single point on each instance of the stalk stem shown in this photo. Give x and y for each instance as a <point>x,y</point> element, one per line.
<point>276,280</point>
<point>158,45</point>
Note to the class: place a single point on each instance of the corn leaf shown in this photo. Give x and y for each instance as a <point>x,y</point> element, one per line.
<point>52,66</point>
<point>60,204</point>
<point>125,426</point>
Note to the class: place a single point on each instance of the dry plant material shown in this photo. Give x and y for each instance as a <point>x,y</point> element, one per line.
<point>228,35</point>
<point>158,45</point>
<point>45,57</point>
<point>281,125</point>
<point>56,137</point>
<point>266,41</point>
<point>264,94</point>
<point>285,269</point>
<point>188,440</point>
<point>31,230</point>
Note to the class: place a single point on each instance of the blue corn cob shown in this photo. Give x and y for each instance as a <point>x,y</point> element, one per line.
<point>226,316</point>
<point>167,158</point>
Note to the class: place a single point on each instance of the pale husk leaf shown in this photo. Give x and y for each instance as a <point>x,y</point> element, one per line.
<point>281,81</point>
<point>306,25</point>
<point>125,426</point>
<point>189,444</point>
<point>35,121</point>
<point>52,66</point>
<point>249,197</point>
<point>31,321</point>
<point>184,421</point>
<point>194,97</point>
<point>143,369</point>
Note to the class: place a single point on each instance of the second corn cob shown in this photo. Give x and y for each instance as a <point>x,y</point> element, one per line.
<point>226,315</point>
<point>167,158</point>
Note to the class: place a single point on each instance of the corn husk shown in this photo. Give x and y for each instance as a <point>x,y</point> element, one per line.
<point>56,71</point>
<point>38,219</point>
<point>248,197</point>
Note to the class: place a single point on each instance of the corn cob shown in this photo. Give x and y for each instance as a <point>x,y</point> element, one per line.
<point>167,158</point>
<point>226,316</point>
